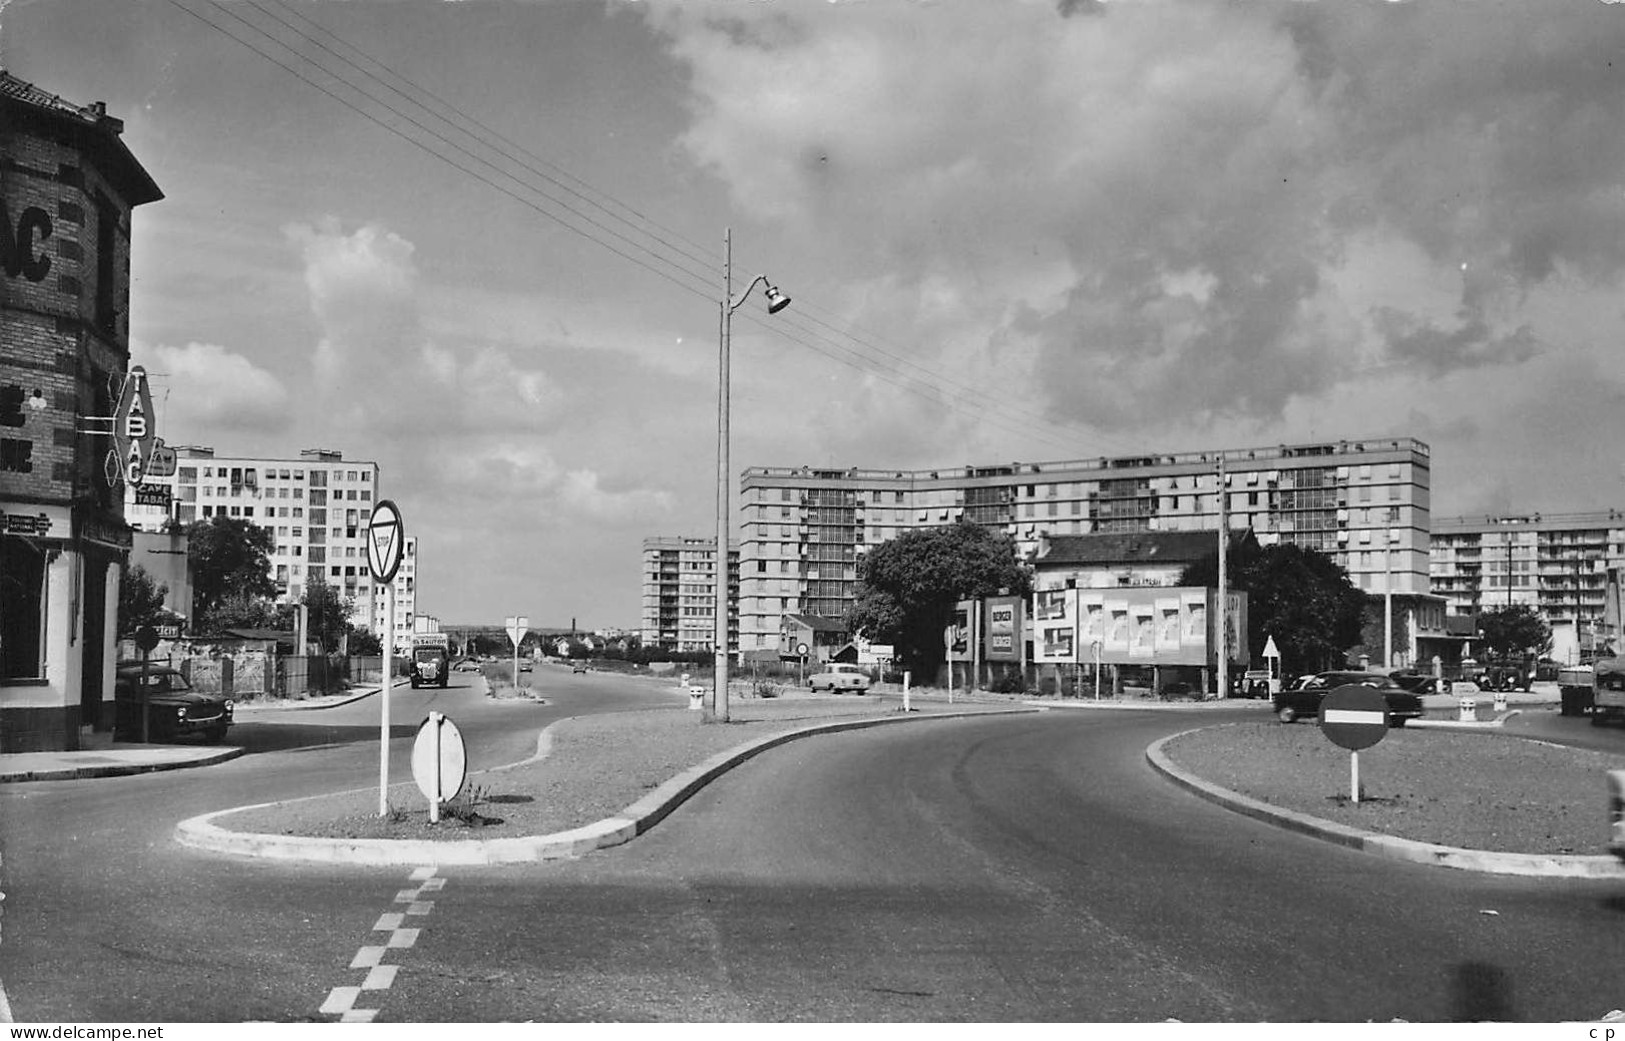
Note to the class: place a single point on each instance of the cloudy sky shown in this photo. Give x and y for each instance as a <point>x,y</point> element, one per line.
<point>481,243</point>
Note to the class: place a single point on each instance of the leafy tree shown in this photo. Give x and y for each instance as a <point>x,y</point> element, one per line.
<point>365,641</point>
<point>243,611</point>
<point>907,588</point>
<point>230,557</point>
<point>1515,630</point>
<point>327,616</point>
<point>140,600</point>
<point>1300,596</point>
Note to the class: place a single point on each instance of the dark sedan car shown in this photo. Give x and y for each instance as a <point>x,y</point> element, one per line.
<point>1304,700</point>
<point>176,710</point>
<point>1415,682</point>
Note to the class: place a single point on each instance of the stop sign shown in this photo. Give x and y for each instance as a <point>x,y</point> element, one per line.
<point>1354,716</point>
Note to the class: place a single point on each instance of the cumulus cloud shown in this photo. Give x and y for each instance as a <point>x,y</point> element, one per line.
<point>1151,210</point>
<point>203,389</point>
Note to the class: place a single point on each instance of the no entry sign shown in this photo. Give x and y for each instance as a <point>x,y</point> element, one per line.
<point>1354,716</point>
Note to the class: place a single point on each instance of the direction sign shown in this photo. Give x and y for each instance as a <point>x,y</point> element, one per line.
<point>439,761</point>
<point>1354,716</point>
<point>386,541</point>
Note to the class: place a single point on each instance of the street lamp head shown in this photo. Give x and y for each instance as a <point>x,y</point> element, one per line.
<point>776,301</point>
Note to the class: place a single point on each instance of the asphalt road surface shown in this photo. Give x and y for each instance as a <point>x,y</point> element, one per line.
<point>106,918</point>
<point>1025,868</point>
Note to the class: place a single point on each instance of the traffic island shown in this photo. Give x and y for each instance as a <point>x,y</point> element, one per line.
<point>1479,801</point>
<point>595,781</point>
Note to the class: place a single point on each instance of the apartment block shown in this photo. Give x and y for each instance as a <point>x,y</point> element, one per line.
<point>679,593</point>
<point>1363,503</point>
<point>1556,563</point>
<point>316,506</point>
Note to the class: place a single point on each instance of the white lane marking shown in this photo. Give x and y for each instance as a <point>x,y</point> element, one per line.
<point>380,977</point>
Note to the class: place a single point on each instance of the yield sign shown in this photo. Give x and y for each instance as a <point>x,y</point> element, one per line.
<point>517,628</point>
<point>386,541</point>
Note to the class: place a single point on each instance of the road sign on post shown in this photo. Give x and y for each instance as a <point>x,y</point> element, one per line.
<point>386,544</point>
<point>518,626</point>
<point>1354,716</point>
<point>439,762</point>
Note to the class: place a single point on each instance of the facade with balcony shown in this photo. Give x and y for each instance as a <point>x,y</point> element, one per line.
<point>802,529</point>
<point>679,607</point>
<point>1558,564</point>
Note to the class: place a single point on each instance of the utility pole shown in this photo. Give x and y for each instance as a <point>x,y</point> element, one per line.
<point>1223,627</point>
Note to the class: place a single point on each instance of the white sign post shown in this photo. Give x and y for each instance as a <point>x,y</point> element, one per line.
<point>386,543</point>
<point>517,628</point>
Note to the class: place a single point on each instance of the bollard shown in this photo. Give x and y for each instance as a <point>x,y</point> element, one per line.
<point>696,698</point>
<point>1469,710</point>
<point>1500,701</point>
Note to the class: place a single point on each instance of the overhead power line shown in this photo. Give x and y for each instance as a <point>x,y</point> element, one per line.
<point>680,262</point>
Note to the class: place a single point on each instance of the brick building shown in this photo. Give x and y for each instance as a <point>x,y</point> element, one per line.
<point>68,185</point>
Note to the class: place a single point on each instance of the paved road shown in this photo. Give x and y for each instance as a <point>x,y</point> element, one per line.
<point>106,918</point>
<point>1017,869</point>
<point>1020,869</point>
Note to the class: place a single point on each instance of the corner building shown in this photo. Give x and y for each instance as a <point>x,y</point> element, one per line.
<point>68,186</point>
<point>1363,503</point>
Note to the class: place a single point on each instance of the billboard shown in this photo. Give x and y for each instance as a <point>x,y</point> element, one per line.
<point>1003,630</point>
<point>1140,625</point>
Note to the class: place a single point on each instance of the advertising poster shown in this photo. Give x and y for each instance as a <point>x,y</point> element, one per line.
<point>1003,629</point>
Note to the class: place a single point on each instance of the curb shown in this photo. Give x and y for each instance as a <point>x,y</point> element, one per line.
<point>1554,865</point>
<point>74,773</point>
<point>301,707</point>
<point>202,833</point>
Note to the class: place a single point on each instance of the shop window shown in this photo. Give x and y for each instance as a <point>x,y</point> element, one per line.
<point>22,619</point>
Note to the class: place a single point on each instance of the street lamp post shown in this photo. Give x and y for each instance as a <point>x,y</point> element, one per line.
<point>716,711</point>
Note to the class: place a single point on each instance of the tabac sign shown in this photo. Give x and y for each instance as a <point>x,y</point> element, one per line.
<point>133,429</point>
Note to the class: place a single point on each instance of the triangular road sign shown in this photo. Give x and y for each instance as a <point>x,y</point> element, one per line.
<point>386,541</point>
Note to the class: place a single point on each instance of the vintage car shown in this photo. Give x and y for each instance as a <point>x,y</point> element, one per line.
<point>175,709</point>
<point>1304,700</point>
<point>838,676</point>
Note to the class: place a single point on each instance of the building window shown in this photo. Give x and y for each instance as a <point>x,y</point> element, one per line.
<point>22,623</point>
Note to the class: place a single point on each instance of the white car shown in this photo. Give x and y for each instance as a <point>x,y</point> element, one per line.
<point>839,677</point>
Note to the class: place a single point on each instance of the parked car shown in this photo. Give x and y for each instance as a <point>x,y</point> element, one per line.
<point>175,709</point>
<point>1304,701</point>
<point>579,666</point>
<point>843,677</point>
<point>1415,682</point>
<point>466,665</point>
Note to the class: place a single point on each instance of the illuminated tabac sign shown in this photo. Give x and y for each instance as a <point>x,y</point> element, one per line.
<point>133,428</point>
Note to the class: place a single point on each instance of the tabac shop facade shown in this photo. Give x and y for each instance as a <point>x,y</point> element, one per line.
<point>67,188</point>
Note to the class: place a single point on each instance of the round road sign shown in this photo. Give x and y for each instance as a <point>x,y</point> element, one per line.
<point>1354,716</point>
<point>439,736</point>
<point>386,541</point>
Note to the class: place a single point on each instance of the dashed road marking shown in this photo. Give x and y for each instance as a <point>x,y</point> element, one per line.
<point>341,1001</point>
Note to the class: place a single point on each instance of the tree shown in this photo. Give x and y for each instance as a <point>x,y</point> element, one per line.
<point>907,587</point>
<point>1301,597</point>
<point>243,611</point>
<point>327,616</point>
<point>140,600</point>
<point>1515,630</point>
<point>230,556</point>
<point>365,642</point>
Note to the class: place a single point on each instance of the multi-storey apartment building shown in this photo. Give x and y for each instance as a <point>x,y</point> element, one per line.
<point>315,505</point>
<point>1556,563</point>
<point>68,188</point>
<point>1364,503</point>
<point>679,593</point>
